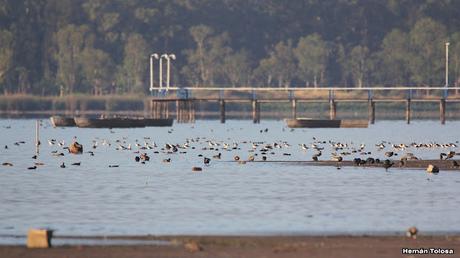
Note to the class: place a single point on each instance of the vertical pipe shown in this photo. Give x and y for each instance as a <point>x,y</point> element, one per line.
<point>222,111</point>
<point>371,111</point>
<point>294,108</point>
<point>254,111</point>
<point>37,133</point>
<point>168,67</point>
<point>258,111</point>
<point>442,111</point>
<point>151,73</point>
<point>408,110</point>
<point>160,74</point>
<point>332,109</point>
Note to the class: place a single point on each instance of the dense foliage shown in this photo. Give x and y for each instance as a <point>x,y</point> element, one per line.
<point>103,46</point>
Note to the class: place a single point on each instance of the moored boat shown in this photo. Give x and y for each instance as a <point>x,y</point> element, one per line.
<point>325,123</point>
<point>61,121</point>
<point>158,122</point>
<point>120,122</point>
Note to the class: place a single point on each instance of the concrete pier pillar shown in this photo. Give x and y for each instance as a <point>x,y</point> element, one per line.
<point>408,110</point>
<point>294,108</point>
<point>371,107</point>
<point>222,111</point>
<point>255,111</point>
<point>332,109</point>
<point>442,111</point>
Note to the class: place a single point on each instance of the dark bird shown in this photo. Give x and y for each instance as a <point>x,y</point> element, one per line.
<point>113,166</point>
<point>218,156</point>
<point>387,164</point>
<point>389,154</point>
<point>168,160</point>
<point>450,155</point>
<point>357,161</point>
<point>76,164</point>
<point>7,164</point>
<point>264,158</point>
<point>62,165</point>
<point>34,167</point>
<point>137,158</point>
<point>34,156</point>
<point>6,147</point>
<point>206,161</point>
<point>442,155</point>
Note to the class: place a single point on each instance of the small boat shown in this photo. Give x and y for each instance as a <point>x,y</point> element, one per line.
<point>59,121</point>
<point>158,122</point>
<point>120,122</point>
<point>325,123</point>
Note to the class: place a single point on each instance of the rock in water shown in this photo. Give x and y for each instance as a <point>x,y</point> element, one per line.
<point>432,169</point>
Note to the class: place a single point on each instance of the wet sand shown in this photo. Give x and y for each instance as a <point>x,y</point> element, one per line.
<point>254,247</point>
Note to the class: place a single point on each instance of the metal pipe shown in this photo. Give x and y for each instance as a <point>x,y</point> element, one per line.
<point>447,64</point>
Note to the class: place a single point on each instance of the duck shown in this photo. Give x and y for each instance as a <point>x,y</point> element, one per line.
<point>62,165</point>
<point>76,148</point>
<point>387,164</point>
<point>206,161</point>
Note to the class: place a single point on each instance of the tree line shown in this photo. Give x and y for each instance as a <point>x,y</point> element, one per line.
<point>52,47</point>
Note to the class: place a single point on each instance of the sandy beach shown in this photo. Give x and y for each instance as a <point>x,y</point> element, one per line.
<point>254,247</point>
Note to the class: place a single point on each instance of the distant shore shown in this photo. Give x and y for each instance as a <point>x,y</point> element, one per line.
<point>252,246</point>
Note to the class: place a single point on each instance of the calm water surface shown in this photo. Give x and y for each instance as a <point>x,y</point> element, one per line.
<point>226,198</point>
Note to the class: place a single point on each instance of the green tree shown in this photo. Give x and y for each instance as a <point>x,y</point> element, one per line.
<point>71,41</point>
<point>427,39</point>
<point>237,68</point>
<point>6,54</point>
<point>358,65</point>
<point>135,62</point>
<point>311,54</point>
<point>207,60</point>
<point>394,59</point>
<point>279,65</point>
<point>96,69</point>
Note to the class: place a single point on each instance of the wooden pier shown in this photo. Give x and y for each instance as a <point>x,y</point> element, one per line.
<point>187,99</point>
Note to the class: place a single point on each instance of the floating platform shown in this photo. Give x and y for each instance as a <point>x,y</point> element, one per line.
<point>325,123</point>
<point>61,121</point>
<point>121,122</point>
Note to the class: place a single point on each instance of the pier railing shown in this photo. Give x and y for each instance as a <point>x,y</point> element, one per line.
<point>186,98</point>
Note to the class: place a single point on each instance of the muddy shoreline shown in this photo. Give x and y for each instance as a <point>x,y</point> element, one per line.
<point>255,247</point>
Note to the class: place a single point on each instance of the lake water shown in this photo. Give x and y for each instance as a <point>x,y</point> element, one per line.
<point>226,197</point>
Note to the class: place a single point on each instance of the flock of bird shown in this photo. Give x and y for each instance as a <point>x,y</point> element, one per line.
<point>210,150</point>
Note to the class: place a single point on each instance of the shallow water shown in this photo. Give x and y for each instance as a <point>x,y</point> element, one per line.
<point>226,198</point>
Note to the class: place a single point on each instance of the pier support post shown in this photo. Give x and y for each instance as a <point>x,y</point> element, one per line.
<point>332,109</point>
<point>294,108</point>
<point>442,111</point>
<point>371,106</point>
<point>408,111</point>
<point>255,111</point>
<point>222,111</point>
